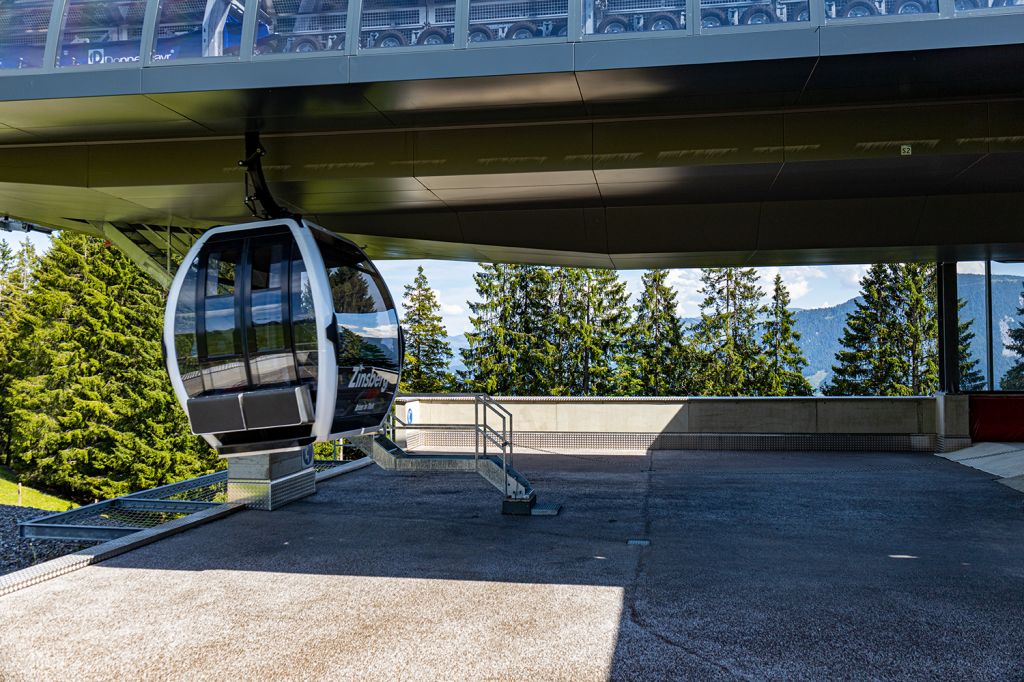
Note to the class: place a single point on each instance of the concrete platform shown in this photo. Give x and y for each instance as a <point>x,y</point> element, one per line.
<point>1005,461</point>
<point>797,566</point>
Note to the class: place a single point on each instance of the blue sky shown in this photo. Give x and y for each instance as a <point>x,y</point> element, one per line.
<point>809,286</point>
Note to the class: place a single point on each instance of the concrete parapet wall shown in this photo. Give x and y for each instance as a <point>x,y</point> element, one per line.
<point>941,416</point>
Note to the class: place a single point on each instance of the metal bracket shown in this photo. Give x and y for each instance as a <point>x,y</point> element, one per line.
<point>258,197</point>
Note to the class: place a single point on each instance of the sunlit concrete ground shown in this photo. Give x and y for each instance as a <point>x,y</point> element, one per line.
<point>761,566</point>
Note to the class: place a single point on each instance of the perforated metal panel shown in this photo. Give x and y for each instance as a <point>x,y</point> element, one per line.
<point>696,441</point>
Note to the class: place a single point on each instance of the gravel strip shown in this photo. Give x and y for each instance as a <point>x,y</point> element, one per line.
<point>17,553</point>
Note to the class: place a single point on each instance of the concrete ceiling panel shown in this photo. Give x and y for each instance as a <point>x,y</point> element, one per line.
<point>45,165</point>
<point>839,224</point>
<point>501,157</point>
<point>682,229</point>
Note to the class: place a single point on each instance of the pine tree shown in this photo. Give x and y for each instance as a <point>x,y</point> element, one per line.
<point>891,338</point>
<point>95,415</point>
<point>870,363</point>
<point>918,297</point>
<point>605,331</point>
<point>1013,380</point>
<point>727,334</point>
<point>971,378</point>
<point>16,278</point>
<point>785,360</point>
<point>510,348</point>
<point>590,312</point>
<point>427,352</point>
<point>655,362</point>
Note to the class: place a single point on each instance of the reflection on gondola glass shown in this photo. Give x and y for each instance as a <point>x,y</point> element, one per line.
<point>98,32</point>
<point>198,28</point>
<point>270,350</point>
<point>23,26</point>
<point>367,339</point>
<point>222,360</point>
<point>303,322</point>
<point>185,345</point>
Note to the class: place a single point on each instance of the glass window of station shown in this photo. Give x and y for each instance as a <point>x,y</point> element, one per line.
<point>101,33</point>
<point>632,16</point>
<point>723,13</point>
<point>404,23</point>
<point>859,9</point>
<point>23,29</point>
<point>190,29</point>
<point>991,319</point>
<point>493,20</point>
<point>301,26</point>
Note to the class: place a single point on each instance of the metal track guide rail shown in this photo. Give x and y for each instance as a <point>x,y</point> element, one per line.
<point>121,516</point>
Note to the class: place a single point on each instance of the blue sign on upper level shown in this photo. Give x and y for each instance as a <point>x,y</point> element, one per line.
<point>70,34</point>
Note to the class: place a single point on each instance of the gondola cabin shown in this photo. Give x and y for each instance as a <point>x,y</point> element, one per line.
<point>278,334</point>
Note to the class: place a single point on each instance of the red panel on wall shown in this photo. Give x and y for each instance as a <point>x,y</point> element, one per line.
<point>997,418</point>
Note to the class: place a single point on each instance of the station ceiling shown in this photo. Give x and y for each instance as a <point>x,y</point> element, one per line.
<point>807,159</point>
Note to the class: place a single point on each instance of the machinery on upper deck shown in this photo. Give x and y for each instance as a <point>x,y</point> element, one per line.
<point>278,334</point>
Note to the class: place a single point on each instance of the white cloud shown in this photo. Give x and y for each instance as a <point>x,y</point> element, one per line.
<point>448,308</point>
<point>796,278</point>
<point>687,286</point>
<point>851,274</point>
<point>976,267</point>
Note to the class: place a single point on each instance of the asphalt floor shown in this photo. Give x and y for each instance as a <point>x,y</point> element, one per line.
<point>760,565</point>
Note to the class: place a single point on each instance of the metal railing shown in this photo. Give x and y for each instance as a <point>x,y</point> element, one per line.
<point>484,431</point>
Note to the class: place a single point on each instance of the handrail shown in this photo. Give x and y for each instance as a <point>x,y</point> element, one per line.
<point>482,430</point>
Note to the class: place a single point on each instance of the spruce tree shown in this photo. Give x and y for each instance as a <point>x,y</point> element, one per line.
<point>590,312</point>
<point>16,277</point>
<point>918,297</point>
<point>891,338</point>
<point>727,334</point>
<point>95,415</point>
<point>870,363</point>
<point>1013,380</point>
<point>785,360</point>
<point>427,352</point>
<point>510,348</point>
<point>655,362</point>
<point>605,331</point>
<point>971,378</point>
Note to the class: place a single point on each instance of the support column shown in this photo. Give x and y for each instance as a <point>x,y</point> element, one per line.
<point>271,480</point>
<point>949,328</point>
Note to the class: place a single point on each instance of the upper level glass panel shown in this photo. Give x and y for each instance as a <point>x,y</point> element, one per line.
<point>972,288</point>
<point>628,16</point>
<point>97,32</point>
<point>23,27</point>
<point>972,5</point>
<point>720,13</point>
<point>198,28</point>
<point>301,26</point>
<point>1008,325</point>
<point>858,9</point>
<point>517,20</point>
<point>400,23</point>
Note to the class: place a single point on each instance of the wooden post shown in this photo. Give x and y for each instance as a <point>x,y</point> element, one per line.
<point>19,493</point>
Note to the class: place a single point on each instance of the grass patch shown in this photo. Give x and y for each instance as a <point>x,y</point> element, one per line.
<point>30,497</point>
